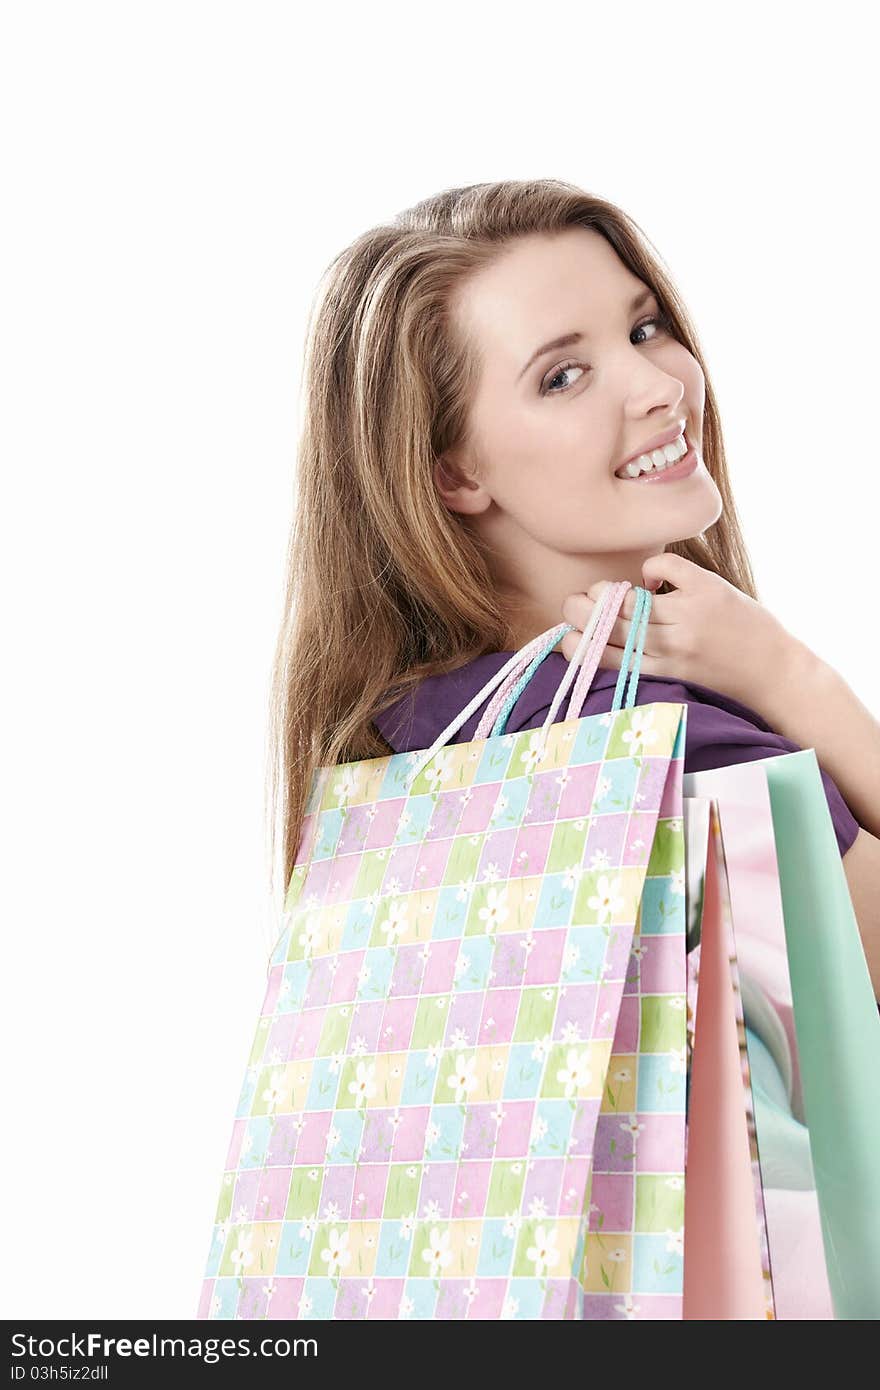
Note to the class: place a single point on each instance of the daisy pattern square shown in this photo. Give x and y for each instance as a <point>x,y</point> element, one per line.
<point>607,1262</point>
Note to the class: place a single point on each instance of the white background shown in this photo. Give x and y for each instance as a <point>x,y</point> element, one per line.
<point>175,178</point>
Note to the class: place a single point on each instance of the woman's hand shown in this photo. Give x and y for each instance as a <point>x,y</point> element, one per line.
<point>706,631</point>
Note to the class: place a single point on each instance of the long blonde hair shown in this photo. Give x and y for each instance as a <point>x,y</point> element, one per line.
<point>384,584</point>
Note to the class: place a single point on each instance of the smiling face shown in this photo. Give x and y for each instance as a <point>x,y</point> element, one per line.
<point>538,481</point>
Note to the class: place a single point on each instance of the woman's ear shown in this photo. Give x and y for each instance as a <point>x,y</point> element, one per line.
<point>459,492</point>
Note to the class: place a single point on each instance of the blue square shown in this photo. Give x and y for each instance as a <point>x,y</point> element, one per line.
<point>554,904</point>
<point>523,1077</point>
<point>419,1079</point>
<point>660,1089</point>
<point>294,1250</point>
<point>496,1249</point>
<point>557,1116</point>
<point>478,952</point>
<point>449,1119</point>
<point>451,913</point>
<point>393,1255</point>
<point>655,1268</point>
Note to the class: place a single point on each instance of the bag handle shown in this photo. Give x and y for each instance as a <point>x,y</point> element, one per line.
<point>545,642</point>
<point>506,697</point>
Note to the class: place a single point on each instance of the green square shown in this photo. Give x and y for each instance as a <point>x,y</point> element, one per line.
<point>663,1026</point>
<point>659,1207</point>
<point>567,845</point>
<point>430,1022</point>
<point>371,872</point>
<point>259,1043</point>
<point>224,1201</point>
<point>402,1192</point>
<point>421,1241</point>
<point>505,1187</point>
<point>304,1194</point>
<point>534,1018</point>
<point>667,851</point>
<point>588,887</point>
<point>522,1265</point>
<point>334,1033</point>
<point>464,859</point>
<point>557,1060</point>
<point>475,925</point>
<point>321,1242</point>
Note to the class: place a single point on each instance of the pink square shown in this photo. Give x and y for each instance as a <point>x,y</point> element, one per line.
<point>577,794</point>
<point>489,1301</point>
<point>397,1024</point>
<point>545,957</point>
<point>640,837</point>
<point>312,1146</point>
<point>368,1196</point>
<point>409,1139</point>
<point>308,1034</point>
<point>383,826</point>
<point>284,1302</point>
<point>670,803</point>
<point>471,1188</point>
<point>345,976</point>
<point>432,863</point>
<point>272,1194</point>
<point>440,969</point>
<point>531,850</point>
<point>499,1015</point>
<point>385,1302</point>
<point>515,1129</point>
<point>478,810</point>
<point>662,965</point>
<point>661,1143</point>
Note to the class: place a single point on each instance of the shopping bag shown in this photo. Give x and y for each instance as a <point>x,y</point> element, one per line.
<point>815,1034</point>
<point>425,1109</point>
<point>724,1207</point>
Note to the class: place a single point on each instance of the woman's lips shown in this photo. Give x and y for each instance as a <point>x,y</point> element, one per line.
<point>685,466</point>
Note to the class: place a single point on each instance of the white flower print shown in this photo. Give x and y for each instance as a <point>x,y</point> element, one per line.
<point>675,1241</point>
<point>274,1092</point>
<point>462,1079</point>
<point>405,1307</point>
<point>496,910</point>
<point>676,883</point>
<point>543,1253</point>
<point>336,1255</point>
<point>309,933</point>
<point>572,877</point>
<point>439,770</point>
<point>678,1059</point>
<point>437,1254</point>
<point>629,1309</point>
<point>542,1047</point>
<point>241,1254</point>
<point>397,923</point>
<point>408,1225</point>
<point>347,785</point>
<point>603,787</point>
<point>576,1071</point>
<point>571,1033</point>
<point>641,731</point>
<point>606,899</point>
<point>512,1222</point>
<point>364,1086</point>
<point>510,1309</point>
<point>599,859</point>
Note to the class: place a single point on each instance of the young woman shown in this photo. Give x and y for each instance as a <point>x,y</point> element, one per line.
<point>480,371</point>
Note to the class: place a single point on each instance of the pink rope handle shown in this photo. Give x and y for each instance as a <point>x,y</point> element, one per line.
<point>613,604</point>
<point>526,656</point>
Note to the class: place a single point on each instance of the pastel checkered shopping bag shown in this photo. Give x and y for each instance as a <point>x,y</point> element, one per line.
<point>466,1092</point>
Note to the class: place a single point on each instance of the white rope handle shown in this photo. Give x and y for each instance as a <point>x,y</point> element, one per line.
<point>491,685</point>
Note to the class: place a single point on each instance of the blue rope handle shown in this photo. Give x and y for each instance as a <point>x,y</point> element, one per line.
<point>637,629</point>
<point>636,636</point>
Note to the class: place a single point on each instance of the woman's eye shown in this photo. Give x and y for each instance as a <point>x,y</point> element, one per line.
<point>658,320</point>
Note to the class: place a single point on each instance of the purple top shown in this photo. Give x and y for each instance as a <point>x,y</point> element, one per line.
<point>720,731</point>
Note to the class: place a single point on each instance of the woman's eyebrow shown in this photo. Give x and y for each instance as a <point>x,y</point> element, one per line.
<point>567,339</point>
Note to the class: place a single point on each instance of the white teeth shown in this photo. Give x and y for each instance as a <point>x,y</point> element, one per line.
<point>657,460</point>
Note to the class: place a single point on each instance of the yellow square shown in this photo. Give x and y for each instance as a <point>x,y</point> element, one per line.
<point>519,897</point>
<point>363,1246</point>
<point>251,1248</point>
<point>388,1078</point>
<point>620,1084</point>
<point>464,1243</point>
<point>607,1266</point>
